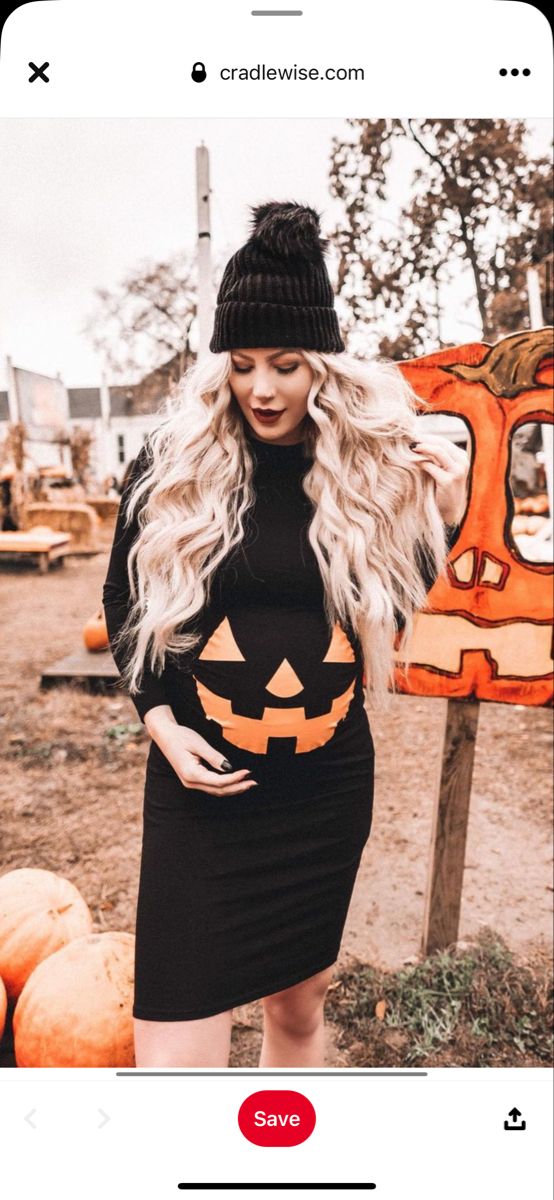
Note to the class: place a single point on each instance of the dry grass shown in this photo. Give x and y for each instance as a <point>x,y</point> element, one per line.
<point>471,1006</point>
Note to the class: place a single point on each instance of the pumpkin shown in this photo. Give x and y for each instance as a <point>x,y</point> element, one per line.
<point>76,1008</point>
<point>95,633</point>
<point>534,504</point>
<point>295,687</point>
<point>525,524</point>
<point>3,1007</point>
<point>39,913</point>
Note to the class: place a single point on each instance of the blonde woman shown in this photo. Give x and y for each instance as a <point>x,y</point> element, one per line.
<point>274,539</point>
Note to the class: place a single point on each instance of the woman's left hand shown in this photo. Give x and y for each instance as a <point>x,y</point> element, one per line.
<point>449,466</point>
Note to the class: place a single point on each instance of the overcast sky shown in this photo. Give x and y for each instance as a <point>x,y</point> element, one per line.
<point>84,201</point>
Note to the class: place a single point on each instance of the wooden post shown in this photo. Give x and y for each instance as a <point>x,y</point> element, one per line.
<point>205,306</point>
<point>450,818</point>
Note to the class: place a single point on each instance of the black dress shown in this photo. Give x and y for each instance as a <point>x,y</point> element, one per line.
<point>242,896</point>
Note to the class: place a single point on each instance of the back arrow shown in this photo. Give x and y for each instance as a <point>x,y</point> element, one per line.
<point>28,1118</point>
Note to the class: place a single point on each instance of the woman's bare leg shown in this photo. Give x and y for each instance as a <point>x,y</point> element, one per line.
<point>293,1024</point>
<point>204,1043</point>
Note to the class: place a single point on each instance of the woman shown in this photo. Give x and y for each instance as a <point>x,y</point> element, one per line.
<point>277,534</point>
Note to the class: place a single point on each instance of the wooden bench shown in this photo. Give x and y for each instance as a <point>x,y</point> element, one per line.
<point>39,543</point>
<point>95,673</point>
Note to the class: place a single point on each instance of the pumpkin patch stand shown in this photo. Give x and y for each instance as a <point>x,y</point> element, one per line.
<point>486,631</point>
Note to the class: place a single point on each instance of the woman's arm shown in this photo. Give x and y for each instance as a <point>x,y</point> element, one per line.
<point>116,596</point>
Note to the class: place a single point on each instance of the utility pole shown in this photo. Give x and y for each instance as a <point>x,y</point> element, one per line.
<point>104,455</point>
<point>205,300</point>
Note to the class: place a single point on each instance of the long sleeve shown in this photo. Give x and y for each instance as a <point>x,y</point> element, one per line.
<point>428,575</point>
<point>116,594</point>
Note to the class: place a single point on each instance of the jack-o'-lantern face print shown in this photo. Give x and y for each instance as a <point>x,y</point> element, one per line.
<point>270,677</point>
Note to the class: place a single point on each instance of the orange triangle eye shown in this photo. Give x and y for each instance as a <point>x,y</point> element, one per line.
<point>340,649</point>
<point>222,646</point>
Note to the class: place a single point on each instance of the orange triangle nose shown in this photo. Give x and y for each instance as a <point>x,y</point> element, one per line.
<point>285,681</point>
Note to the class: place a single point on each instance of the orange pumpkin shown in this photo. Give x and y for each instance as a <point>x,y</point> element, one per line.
<point>534,504</point>
<point>95,633</point>
<point>39,913</point>
<point>3,1007</point>
<point>524,524</point>
<point>76,1008</point>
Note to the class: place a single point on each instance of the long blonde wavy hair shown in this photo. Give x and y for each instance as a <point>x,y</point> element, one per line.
<point>371,503</point>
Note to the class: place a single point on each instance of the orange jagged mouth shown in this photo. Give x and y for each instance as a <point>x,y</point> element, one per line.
<point>253,734</point>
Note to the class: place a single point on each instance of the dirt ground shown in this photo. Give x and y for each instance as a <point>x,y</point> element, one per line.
<point>72,778</point>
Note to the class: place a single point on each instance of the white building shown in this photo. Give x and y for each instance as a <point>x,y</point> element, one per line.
<point>118,433</point>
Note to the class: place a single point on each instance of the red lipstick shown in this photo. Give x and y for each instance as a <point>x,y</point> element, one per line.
<point>268,416</point>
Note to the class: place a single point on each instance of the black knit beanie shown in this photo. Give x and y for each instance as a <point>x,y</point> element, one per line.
<point>275,290</point>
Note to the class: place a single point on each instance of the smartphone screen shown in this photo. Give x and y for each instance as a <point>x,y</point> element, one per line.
<point>276,495</point>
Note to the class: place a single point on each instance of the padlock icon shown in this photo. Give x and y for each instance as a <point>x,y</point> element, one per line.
<point>198,72</point>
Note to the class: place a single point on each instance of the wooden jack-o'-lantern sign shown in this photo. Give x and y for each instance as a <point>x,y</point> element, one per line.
<point>489,634</point>
<point>275,680</point>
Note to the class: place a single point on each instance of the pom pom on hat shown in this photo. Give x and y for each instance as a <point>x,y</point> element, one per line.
<point>289,230</point>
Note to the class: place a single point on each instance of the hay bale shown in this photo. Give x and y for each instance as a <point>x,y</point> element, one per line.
<point>106,507</point>
<point>80,520</point>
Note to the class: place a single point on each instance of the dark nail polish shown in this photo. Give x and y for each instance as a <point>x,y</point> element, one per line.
<point>413,445</point>
<point>226,765</point>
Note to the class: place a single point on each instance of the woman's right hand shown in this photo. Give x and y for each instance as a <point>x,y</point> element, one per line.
<point>185,749</point>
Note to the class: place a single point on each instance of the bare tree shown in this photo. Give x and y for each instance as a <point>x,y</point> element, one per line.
<point>475,202</point>
<point>13,446</point>
<point>80,443</point>
<point>17,485</point>
<point>145,321</point>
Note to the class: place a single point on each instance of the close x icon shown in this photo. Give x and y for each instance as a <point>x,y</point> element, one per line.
<point>39,72</point>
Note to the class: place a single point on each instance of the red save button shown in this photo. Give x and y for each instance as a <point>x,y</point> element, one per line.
<point>276,1118</point>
